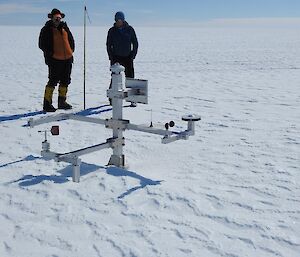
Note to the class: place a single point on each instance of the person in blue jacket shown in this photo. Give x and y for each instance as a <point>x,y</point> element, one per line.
<point>122,44</point>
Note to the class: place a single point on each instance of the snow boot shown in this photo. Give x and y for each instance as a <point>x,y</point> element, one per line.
<point>47,105</point>
<point>62,96</point>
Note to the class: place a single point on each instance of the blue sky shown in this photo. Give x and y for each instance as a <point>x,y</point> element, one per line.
<point>139,12</point>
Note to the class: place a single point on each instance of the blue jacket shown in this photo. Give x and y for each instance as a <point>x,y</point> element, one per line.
<point>121,42</point>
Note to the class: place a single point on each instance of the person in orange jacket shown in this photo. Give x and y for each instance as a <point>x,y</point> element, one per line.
<point>57,43</point>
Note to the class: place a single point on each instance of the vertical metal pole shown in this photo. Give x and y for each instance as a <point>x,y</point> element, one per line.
<point>76,171</point>
<point>117,158</point>
<point>191,127</point>
<point>84,56</point>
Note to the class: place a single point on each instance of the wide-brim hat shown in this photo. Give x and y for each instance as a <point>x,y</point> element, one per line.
<point>55,11</point>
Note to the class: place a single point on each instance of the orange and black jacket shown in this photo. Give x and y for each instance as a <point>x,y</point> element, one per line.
<point>50,43</point>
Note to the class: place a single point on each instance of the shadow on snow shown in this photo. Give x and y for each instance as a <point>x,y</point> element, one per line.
<point>86,112</point>
<point>118,172</point>
<point>19,116</point>
<point>65,175</point>
<point>28,158</point>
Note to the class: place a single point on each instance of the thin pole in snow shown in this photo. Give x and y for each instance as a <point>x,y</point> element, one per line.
<point>84,53</point>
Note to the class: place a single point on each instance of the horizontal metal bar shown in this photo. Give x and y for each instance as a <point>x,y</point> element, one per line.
<point>87,119</point>
<point>181,136</point>
<point>64,116</point>
<point>48,155</point>
<point>43,120</point>
<point>151,130</point>
<point>86,150</point>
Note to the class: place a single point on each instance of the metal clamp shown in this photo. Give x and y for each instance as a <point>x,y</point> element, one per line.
<point>116,124</point>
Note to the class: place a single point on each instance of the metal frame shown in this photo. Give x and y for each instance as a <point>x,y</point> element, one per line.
<point>132,90</point>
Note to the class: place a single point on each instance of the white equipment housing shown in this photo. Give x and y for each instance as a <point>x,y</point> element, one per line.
<point>138,90</point>
<point>130,90</point>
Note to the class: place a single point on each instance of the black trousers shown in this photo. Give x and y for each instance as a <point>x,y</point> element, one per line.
<point>127,62</point>
<point>59,72</point>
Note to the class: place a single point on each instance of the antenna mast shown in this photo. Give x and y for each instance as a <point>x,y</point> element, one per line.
<point>84,53</point>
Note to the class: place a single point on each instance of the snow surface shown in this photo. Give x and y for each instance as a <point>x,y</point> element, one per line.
<point>231,190</point>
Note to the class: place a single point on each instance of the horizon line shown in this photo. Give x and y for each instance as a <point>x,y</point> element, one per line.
<point>279,21</point>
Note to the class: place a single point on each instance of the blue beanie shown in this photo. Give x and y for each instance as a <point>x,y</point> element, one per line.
<point>119,16</point>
